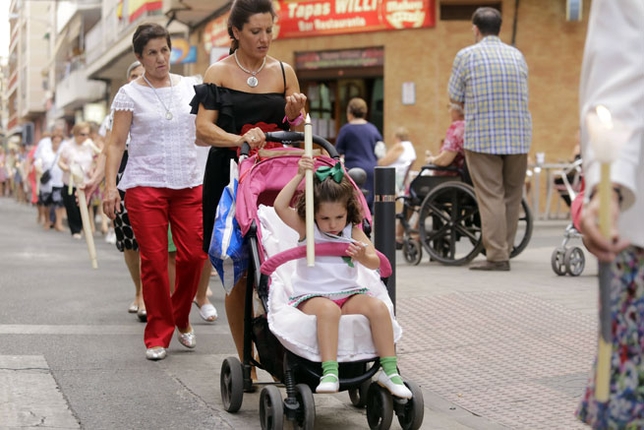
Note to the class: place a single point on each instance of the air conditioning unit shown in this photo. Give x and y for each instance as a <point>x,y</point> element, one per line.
<point>574,10</point>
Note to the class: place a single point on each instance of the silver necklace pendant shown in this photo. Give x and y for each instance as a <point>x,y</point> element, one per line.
<point>252,81</point>
<point>168,115</point>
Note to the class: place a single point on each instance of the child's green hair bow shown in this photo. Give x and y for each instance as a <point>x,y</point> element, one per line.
<point>336,172</point>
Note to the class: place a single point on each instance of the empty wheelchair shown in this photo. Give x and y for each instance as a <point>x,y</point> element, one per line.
<point>440,214</point>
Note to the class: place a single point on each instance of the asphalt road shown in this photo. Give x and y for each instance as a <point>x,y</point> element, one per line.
<point>490,350</point>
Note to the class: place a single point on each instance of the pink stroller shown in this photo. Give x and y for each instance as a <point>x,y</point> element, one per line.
<point>284,337</point>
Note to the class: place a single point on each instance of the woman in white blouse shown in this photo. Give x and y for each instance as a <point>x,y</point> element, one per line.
<point>75,151</point>
<point>163,183</point>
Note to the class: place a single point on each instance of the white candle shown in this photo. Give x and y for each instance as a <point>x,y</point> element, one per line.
<point>308,199</point>
<point>76,174</point>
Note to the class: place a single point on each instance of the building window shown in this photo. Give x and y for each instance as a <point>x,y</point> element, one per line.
<point>463,11</point>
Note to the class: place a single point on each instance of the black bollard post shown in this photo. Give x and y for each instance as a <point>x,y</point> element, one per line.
<point>384,220</point>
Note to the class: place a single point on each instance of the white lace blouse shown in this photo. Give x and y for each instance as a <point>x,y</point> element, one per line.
<point>162,152</point>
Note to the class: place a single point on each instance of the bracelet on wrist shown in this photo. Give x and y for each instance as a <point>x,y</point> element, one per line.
<point>295,121</point>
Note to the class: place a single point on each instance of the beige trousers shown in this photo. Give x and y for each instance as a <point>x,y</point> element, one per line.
<point>498,183</point>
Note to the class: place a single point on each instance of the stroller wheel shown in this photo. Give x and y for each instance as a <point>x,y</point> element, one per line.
<point>271,408</point>
<point>358,396</point>
<point>412,251</point>
<point>231,384</point>
<point>413,412</point>
<point>557,261</point>
<point>306,411</point>
<point>380,407</point>
<point>575,261</point>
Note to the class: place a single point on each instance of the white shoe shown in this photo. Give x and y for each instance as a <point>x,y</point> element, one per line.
<point>187,339</point>
<point>328,387</point>
<point>207,312</point>
<point>397,390</point>
<point>110,237</point>
<point>155,353</point>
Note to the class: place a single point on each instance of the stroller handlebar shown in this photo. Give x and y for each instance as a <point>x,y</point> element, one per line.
<point>290,137</point>
<point>326,249</point>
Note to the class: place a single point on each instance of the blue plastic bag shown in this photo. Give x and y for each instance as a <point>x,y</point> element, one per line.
<point>228,253</point>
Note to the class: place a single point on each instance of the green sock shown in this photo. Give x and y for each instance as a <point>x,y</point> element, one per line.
<point>329,368</point>
<point>390,366</point>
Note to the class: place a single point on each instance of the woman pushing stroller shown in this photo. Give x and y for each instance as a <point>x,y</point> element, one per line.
<point>329,290</point>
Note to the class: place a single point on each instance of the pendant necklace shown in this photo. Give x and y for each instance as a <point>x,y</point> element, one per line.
<point>252,80</point>
<point>168,114</point>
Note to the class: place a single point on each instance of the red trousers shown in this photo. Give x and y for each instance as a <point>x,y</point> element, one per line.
<point>150,210</point>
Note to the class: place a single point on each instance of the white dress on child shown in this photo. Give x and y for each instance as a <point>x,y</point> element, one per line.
<point>334,277</point>
<point>296,330</point>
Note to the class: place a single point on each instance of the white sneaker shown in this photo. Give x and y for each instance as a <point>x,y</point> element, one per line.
<point>328,387</point>
<point>397,390</point>
<point>110,237</point>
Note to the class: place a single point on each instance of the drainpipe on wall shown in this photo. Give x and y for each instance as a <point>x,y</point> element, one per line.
<point>514,23</point>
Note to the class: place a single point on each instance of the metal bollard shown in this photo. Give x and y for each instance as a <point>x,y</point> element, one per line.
<point>384,220</point>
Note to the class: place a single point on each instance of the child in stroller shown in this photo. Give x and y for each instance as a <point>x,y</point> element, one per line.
<point>329,289</point>
<point>283,336</point>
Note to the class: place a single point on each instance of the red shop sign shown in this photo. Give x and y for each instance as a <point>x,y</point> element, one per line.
<point>319,17</point>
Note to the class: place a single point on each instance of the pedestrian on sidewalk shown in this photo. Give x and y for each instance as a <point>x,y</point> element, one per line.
<point>490,80</point>
<point>76,151</point>
<point>162,183</point>
<point>613,76</point>
<point>236,104</point>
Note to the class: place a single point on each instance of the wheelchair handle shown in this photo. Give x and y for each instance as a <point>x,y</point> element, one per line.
<point>291,137</point>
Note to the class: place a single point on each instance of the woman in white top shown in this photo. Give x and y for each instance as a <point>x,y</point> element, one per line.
<point>163,184</point>
<point>401,156</point>
<point>50,194</point>
<point>75,151</point>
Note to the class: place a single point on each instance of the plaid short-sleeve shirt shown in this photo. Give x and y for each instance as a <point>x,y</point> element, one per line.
<point>491,79</point>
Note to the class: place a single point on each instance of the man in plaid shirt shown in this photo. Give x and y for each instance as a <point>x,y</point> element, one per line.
<point>490,80</point>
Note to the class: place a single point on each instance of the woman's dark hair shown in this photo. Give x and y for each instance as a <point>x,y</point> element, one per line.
<point>357,107</point>
<point>487,20</point>
<point>329,191</point>
<point>240,12</point>
<point>146,32</point>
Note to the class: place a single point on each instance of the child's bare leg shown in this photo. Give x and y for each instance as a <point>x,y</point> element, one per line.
<point>379,320</point>
<point>328,316</point>
<point>383,338</point>
<point>328,323</point>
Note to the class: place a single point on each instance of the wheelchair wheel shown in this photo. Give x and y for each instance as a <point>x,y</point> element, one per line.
<point>380,407</point>
<point>574,260</point>
<point>524,229</point>
<point>557,261</point>
<point>448,214</point>
<point>412,251</point>
<point>231,384</point>
<point>271,408</point>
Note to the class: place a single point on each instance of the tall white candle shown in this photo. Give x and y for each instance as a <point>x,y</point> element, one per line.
<point>308,199</point>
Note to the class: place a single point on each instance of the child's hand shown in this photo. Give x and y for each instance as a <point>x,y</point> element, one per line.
<point>305,163</point>
<point>357,250</point>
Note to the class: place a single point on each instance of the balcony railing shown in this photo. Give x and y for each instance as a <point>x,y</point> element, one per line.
<point>75,90</point>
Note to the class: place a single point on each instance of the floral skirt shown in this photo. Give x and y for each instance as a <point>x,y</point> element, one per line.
<point>625,406</point>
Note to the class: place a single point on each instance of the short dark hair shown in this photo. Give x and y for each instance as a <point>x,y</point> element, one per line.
<point>146,32</point>
<point>240,12</point>
<point>487,20</point>
<point>357,107</point>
